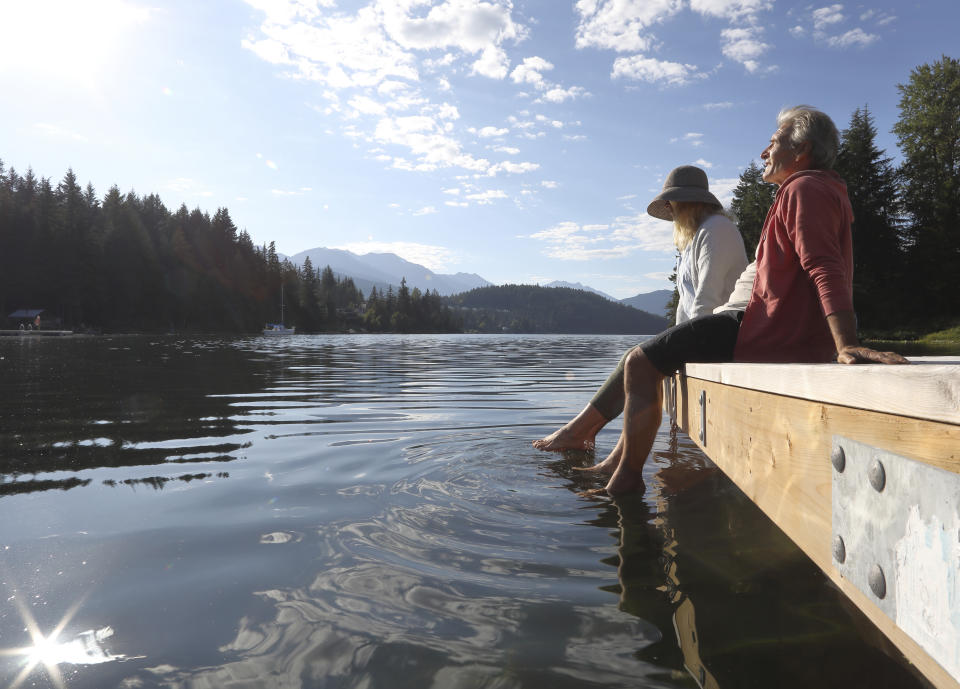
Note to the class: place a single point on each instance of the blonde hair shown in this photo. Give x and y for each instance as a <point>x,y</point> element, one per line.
<point>688,216</point>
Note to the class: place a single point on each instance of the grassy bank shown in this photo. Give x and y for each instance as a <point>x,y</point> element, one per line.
<point>947,336</point>
<point>945,341</point>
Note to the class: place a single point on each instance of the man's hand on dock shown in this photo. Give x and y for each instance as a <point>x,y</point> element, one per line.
<point>865,355</point>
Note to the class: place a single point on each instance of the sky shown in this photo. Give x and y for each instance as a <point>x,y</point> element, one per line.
<point>520,140</point>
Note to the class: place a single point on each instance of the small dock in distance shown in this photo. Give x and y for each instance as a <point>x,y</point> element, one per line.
<point>35,333</point>
<point>860,467</point>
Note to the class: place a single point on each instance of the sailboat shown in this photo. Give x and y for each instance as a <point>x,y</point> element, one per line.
<point>278,328</point>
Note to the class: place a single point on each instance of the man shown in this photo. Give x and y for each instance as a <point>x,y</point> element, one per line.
<point>798,307</point>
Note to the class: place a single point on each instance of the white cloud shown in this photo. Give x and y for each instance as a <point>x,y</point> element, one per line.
<point>493,63</point>
<point>468,25</point>
<point>624,236</point>
<point>487,132</point>
<point>436,258</point>
<point>825,16</point>
<point>559,95</point>
<point>722,188</point>
<point>744,46</point>
<point>648,69</point>
<point>549,184</point>
<point>448,112</point>
<point>854,37</point>
<point>723,105</point>
<point>509,150</point>
<point>621,24</point>
<point>703,163</point>
<point>512,168</point>
<point>374,56</point>
<point>733,10</point>
<point>827,19</point>
<point>487,197</point>
<point>367,106</point>
<point>426,210</point>
<point>530,72</point>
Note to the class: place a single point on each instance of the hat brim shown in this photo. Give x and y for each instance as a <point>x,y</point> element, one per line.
<point>658,208</point>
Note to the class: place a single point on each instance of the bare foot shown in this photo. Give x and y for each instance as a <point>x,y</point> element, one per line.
<point>625,480</point>
<point>564,439</point>
<point>607,466</point>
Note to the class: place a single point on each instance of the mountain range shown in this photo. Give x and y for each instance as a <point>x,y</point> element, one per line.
<point>385,270</point>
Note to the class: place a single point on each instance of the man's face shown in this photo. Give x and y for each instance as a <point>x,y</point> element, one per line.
<point>780,157</point>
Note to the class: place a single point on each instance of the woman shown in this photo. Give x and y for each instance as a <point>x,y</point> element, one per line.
<point>712,257</point>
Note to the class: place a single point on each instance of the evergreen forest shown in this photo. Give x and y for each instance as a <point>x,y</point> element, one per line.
<point>126,262</point>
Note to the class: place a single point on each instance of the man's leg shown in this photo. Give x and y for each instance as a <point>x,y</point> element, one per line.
<point>641,418</point>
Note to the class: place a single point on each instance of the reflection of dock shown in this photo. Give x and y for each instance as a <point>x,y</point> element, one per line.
<point>35,333</point>
<point>860,466</point>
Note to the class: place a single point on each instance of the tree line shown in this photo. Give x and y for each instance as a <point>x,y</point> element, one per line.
<point>534,309</point>
<point>906,229</point>
<point>129,263</point>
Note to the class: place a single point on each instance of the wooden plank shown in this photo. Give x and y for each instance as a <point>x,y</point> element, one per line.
<point>928,389</point>
<point>777,450</point>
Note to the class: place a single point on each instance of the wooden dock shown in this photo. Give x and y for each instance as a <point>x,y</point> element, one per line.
<point>860,467</point>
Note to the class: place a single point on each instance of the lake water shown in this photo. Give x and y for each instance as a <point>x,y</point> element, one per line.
<point>367,511</point>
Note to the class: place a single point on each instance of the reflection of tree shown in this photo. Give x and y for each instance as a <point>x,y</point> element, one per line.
<point>79,404</point>
<point>33,486</point>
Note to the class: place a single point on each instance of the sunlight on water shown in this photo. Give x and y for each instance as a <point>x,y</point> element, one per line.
<point>346,511</point>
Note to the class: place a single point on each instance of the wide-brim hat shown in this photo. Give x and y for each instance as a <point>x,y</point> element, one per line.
<point>684,183</point>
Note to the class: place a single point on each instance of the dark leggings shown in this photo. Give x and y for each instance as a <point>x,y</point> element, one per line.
<point>704,339</point>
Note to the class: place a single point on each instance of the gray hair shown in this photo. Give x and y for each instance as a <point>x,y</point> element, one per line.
<point>809,125</point>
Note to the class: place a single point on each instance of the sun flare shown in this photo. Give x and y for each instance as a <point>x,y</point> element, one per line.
<point>72,40</point>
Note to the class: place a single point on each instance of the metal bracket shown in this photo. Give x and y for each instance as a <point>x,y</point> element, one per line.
<point>703,418</point>
<point>671,400</point>
<point>896,537</point>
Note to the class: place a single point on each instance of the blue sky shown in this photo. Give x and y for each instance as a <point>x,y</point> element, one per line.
<point>518,140</point>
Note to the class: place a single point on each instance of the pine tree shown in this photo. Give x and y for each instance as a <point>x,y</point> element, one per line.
<point>752,199</point>
<point>872,187</point>
<point>928,132</point>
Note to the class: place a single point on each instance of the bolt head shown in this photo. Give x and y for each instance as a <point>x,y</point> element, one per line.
<point>839,550</point>
<point>877,581</point>
<point>839,459</point>
<point>877,475</point>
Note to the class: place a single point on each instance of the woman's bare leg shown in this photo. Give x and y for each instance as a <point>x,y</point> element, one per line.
<point>577,434</point>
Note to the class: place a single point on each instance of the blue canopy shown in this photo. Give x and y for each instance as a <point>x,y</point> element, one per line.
<point>26,313</point>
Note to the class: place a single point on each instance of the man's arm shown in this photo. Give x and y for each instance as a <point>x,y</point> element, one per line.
<point>843,327</point>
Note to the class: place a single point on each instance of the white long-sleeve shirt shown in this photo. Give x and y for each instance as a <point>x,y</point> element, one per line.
<point>709,267</point>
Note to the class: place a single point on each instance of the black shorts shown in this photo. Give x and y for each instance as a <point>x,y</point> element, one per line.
<point>704,339</point>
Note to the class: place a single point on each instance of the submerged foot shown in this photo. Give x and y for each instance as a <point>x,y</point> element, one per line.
<point>564,439</point>
<point>625,481</point>
<point>605,468</point>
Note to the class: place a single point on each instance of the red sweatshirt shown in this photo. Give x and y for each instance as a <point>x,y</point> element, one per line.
<point>804,272</point>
